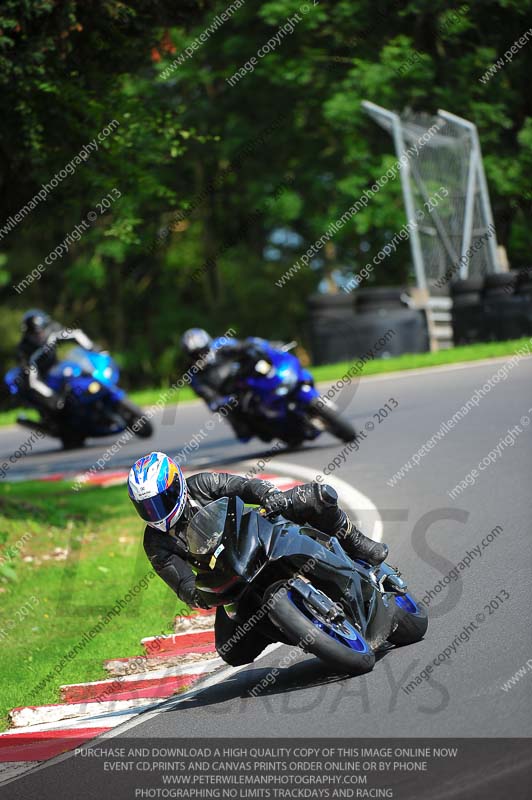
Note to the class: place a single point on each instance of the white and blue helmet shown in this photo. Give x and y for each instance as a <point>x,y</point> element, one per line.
<point>196,342</point>
<point>158,490</point>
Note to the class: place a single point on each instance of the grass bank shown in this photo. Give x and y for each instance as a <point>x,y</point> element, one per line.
<point>66,558</point>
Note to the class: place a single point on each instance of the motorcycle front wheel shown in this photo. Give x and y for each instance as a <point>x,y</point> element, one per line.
<point>133,414</point>
<point>332,421</point>
<point>338,644</point>
<point>412,621</point>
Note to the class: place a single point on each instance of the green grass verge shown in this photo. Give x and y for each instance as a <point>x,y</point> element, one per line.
<point>331,372</point>
<point>78,554</point>
<point>455,355</point>
<point>148,397</point>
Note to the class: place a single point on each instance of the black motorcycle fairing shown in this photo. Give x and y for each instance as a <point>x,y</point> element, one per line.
<point>251,544</point>
<point>93,419</point>
<point>266,425</point>
<point>381,617</point>
<point>255,552</point>
<point>239,555</point>
<point>355,580</point>
<point>329,565</point>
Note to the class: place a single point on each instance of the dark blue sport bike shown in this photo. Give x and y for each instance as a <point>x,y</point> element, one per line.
<point>94,403</point>
<point>294,584</point>
<point>278,399</point>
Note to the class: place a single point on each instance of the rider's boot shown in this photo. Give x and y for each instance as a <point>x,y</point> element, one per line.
<point>49,407</point>
<point>356,545</point>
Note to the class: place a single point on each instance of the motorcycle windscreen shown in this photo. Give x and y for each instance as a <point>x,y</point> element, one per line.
<point>205,530</point>
<point>81,357</point>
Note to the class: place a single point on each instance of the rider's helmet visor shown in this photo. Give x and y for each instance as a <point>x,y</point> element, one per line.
<point>155,509</point>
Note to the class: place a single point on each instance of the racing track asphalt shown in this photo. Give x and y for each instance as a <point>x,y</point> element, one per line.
<point>428,533</point>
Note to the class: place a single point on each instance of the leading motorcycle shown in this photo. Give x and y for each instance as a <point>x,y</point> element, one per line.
<point>94,403</point>
<point>299,586</point>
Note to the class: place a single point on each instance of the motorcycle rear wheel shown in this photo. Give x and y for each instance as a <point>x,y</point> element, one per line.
<point>342,648</point>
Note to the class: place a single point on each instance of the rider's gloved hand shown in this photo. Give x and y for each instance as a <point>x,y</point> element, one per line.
<point>303,500</point>
<point>277,502</point>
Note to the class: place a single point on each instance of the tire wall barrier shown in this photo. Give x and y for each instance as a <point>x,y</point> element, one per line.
<point>342,331</point>
<point>496,309</point>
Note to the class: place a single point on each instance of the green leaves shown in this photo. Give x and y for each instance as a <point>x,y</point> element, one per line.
<point>197,160</point>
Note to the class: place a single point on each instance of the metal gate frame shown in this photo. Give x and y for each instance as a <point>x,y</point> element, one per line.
<point>476,180</point>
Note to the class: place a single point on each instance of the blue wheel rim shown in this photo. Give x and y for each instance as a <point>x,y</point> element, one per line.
<point>351,638</point>
<point>407,603</point>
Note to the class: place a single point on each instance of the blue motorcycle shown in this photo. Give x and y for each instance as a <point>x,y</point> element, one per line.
<point>278,400</point>
<point>94,403</point>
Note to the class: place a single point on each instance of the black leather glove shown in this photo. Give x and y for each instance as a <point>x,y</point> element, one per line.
<point>304,499</point>
<point>277,502</point>
<point>310,503</point>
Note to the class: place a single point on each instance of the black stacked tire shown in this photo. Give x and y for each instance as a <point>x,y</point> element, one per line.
<point>468,318</point>
<point>499,284</point>
<point>524,281</point>
<point>467,292</point>
<point>508,311</point>
<point>331,336</point>
<point>379,297</point>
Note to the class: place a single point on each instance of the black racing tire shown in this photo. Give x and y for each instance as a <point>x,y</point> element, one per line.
<point>379,297</point>
<point>293,444</point>
<point>334,423</point>
<point>499,284</point>
<point>497,279</point>
<point>299,628</point>
<point>466,286</point>
<point>132,414</point>
<point>524,281</point>
<point>411,626</point>
<point>72,441</point>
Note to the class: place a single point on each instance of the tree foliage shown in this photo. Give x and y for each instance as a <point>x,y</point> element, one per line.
<point>222,187</point>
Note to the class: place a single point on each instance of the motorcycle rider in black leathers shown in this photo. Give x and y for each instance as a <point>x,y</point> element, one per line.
<point>168,511</point>
<point>215,371</point>
<point>36,354</point>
